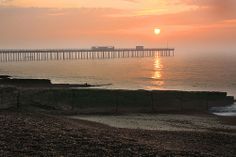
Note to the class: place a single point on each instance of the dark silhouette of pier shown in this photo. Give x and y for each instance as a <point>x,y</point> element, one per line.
<point>15,55</point>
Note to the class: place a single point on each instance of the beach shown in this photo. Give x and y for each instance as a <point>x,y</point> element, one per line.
<point>36,134</point>
<point>63,121</point>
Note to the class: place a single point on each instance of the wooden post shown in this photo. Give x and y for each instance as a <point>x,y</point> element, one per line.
<point>117,103</point>
<point>152,102</point>
<point>18,99</point>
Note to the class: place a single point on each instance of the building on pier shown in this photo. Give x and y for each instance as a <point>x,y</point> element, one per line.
<point>103,48</point>
<point>139,48</point>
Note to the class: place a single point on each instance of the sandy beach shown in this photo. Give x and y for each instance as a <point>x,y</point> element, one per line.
<point>35,134</point>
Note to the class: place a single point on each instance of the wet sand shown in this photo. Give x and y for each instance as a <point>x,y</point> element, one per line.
<point>34,134</point>
<point>165,122</point>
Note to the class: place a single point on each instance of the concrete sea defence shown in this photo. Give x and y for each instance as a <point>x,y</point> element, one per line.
<point>91,101</point>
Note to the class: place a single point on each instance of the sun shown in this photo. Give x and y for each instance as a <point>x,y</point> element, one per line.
<point>157,31</point>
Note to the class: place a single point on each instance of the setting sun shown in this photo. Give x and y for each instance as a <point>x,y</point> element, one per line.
<point>157,31</point>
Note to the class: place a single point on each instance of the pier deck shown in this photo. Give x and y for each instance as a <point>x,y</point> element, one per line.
<point>15,55</point>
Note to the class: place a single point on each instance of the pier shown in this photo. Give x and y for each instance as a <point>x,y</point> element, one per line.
<point>17,55</point>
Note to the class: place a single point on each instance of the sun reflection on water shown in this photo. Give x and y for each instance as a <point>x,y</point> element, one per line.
<point>158,73</point>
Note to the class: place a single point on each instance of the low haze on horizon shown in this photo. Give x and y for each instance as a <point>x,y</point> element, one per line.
<point>186,24</point>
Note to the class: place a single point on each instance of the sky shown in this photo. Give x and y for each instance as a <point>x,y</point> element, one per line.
<point>187,25</point>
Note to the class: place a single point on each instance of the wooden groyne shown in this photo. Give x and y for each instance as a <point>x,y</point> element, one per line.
<point>91,101</point>
<point>15,55</point>
<point>6,80</point>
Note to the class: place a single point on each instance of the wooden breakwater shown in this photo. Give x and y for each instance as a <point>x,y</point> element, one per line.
<point>89,101</point>
<point>39,83</point>
<point>8,97</point>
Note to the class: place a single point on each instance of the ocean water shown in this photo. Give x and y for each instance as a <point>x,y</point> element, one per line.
<point>207,73</point>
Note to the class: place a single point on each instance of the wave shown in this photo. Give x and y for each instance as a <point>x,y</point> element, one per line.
<point>224,111</point>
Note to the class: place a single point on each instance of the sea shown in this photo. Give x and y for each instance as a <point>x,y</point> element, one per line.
<point>181,72</point>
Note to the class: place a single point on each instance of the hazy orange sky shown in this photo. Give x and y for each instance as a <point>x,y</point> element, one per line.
<point>185,24</point>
